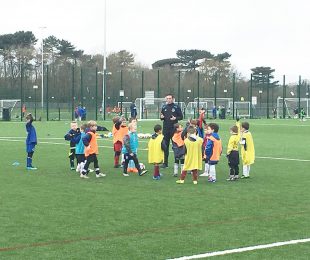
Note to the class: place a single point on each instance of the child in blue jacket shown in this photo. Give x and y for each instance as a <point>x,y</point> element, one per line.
<point>31,141</point>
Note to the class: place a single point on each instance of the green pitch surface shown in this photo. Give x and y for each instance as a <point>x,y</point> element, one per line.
<point>53,214</point>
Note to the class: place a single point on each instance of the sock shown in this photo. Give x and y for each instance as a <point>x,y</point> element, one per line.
<point>194,175</point>
<point>72,163</point>
<point>156,170</point>
<point>249,167</point>
<point>207,167</point>
<point>97,170</point>
<point>29,162</point>
<point>212,172</point>
<point>245,170</point>
<point>82,166</point>
<point>176,168</point>
<point>116,159</point>
<point>183,175</point>
<point>182,165</point>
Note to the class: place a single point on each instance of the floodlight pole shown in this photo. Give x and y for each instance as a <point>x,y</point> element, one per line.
<point>104,79</point>
<point>42,69</point>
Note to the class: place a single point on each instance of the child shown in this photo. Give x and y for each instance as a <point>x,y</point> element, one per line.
<point>193,155</point>
<point>200,122</point>
<point>31,141</point>
<point>91,150</point>
<point>79,149</point>
<point>213,150</point>
<point>131,164</point>
<point>130,146</point>
<point>233,154</point>
<point>156,148</point>
<point>70,136</point>
<point>247,149</point>
<point>178,148</point>
<point>119,130</point>
<point>204,144</point>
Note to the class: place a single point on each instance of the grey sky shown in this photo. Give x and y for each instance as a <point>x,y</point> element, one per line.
<point>256,33</point>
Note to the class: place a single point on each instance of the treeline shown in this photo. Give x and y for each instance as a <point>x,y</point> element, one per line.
<point>21,58</point>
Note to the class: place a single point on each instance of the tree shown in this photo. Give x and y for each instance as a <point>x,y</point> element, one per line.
<point>189,58</point>
<point>260,76</point>
<point>167,63</point>
<point>121,60</point>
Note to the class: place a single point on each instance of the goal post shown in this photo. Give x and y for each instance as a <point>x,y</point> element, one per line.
<point>243,109</point>
<point>11,104</point>
<point>149,108</point>
<point>290,107</point>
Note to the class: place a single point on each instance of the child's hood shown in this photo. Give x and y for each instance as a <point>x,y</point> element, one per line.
<point>154,136</point>
<point>216,136</point>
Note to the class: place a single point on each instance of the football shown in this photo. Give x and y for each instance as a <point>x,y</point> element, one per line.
<point>142,166</point>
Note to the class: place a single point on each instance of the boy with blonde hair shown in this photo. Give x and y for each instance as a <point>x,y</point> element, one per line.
<point>247,149</point>
<point>70,136</point>
<point>129,149</point>
<point>91,150</point>
<point>193,155</point>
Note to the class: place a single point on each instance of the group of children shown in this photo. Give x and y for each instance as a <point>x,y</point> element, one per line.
<point>191,146</point>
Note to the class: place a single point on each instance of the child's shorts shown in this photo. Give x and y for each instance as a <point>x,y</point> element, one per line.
<point>118,146</point>
<point>30,148</point>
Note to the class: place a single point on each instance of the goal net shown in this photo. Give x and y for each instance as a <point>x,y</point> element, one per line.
<point>10,104</point>
<point>149,108</point>
<point>243,109</point>
<point>291,106</point>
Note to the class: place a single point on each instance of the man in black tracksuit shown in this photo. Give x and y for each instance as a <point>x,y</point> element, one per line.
<point>170,113</point>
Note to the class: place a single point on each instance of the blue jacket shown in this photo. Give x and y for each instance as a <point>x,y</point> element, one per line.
<point>79,147</point>
<point>32,135</point>
<point>130,143</point>
<point>209,147</point>
<point>72,136</point>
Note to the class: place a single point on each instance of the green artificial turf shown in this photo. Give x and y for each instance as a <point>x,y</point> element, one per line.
<point>53,214</point>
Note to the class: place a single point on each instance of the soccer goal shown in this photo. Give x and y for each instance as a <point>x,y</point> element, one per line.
<point>10,104</point>
<point>150,108</point>
<point>243,109</point>
<point>291,106</point>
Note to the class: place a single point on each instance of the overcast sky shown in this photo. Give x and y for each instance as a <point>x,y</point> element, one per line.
<point>256,32</point>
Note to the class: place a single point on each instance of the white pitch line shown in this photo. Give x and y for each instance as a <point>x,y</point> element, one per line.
<point>243,249</point>
<point>285,159</point>
<point>145,149</point>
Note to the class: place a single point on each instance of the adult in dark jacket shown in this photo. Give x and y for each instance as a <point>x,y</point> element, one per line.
<point>170,114</point>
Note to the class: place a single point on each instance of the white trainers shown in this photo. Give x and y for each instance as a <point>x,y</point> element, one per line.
<point>91,170</point>
<point>205,174</point>
<point>100,175</point>
<point>125,174</point>
<point>84,176</point>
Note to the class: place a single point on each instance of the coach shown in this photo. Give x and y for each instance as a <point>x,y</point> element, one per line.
<point>170,114</point>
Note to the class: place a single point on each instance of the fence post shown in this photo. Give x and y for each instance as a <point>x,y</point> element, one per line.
<point>268,85</point>
<point>72,94</point>
<point>47,71</point>
<point>299,85</point>
<point>251,88</point>
<point>179,86</point>
<point>198,93</point>
<point>215,87</point>
<point>96,95</point>
<point>21,91</point>
<point>234,86</point>
<point>284,96</point>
